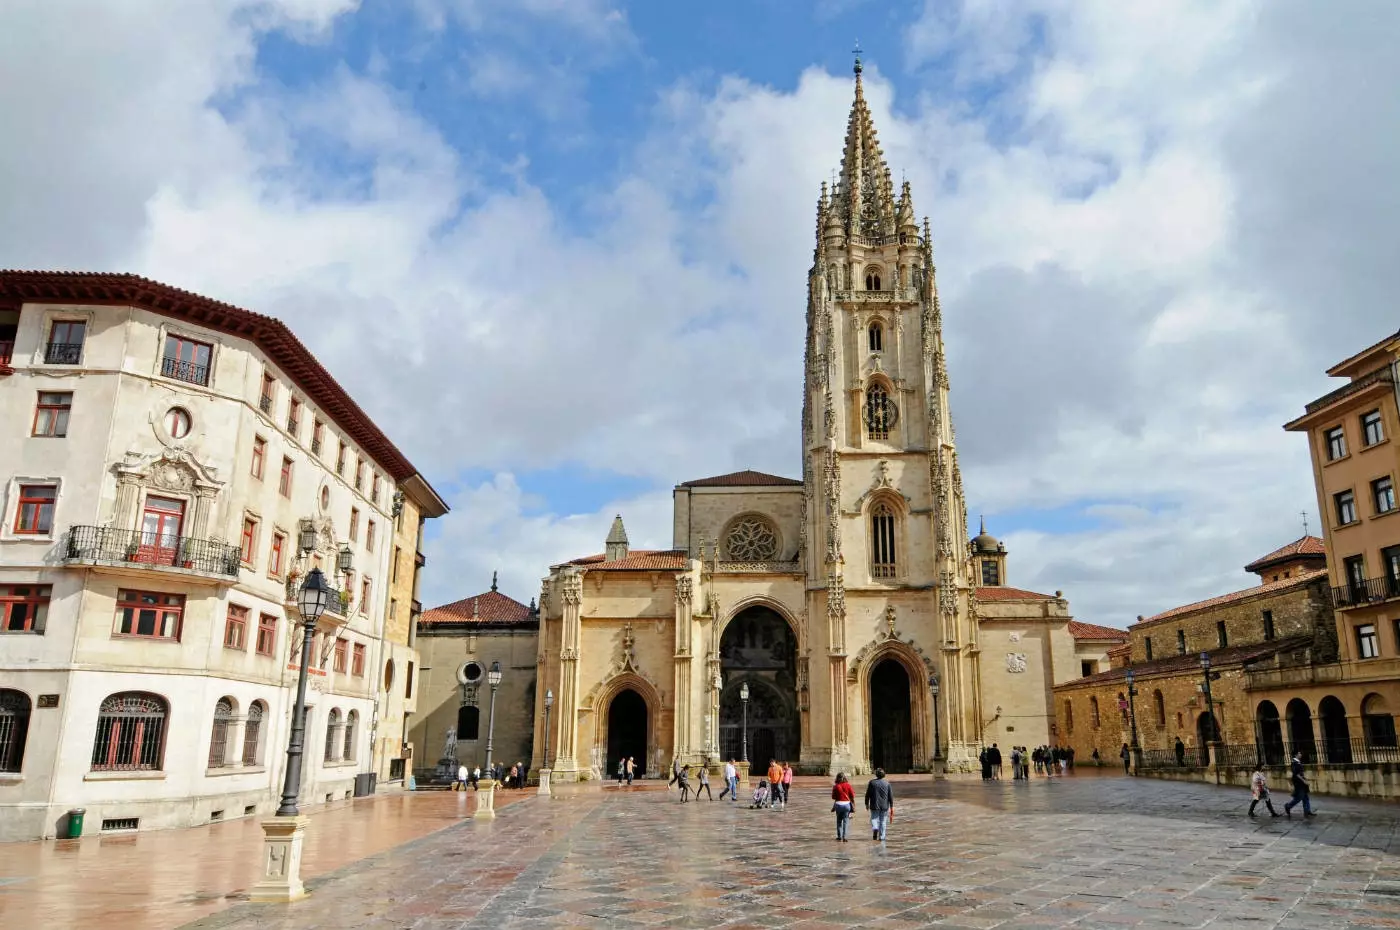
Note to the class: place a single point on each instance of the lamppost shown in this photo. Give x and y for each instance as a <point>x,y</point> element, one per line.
<point>933,689</point>
<point>311,602</point>
<point>1132,722</point>
<point>486,793</point>
<point>744,699</point>
<point>544,764</point>
<point>493,678</point>
<point>1213,736</point>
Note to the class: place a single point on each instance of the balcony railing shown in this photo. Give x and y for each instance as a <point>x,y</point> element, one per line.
<point>184,371</point>
<point>106,545</point>
<point>1346,390</point>
<point>265,403</point>
<point>1291,676</point>
<point>1361,592</point>
<point>1323,752</point>
<point>338,601</point>
<point>63,353</point>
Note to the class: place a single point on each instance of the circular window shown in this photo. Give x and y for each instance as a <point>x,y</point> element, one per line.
<point>388,674</point>
<point>325,498</point>
<point>177,422</point>
<point>470,673</point>
<point>751,539</point>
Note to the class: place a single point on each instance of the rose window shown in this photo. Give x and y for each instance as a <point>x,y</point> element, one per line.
<point>751,539</point>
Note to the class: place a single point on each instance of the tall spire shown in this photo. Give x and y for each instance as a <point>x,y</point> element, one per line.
<point>616,546</point>
<point>864,194</point>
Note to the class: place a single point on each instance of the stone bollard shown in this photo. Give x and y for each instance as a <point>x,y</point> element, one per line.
<point>544,782</point>
<point>281,852</point>
<point>743,768</point>
<point>485,800</point>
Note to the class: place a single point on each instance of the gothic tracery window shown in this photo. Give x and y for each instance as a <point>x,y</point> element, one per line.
<point>882,547</point>
<point>872,279</point>
<point>751,539</point>
<point>880,412</point>
<point>877,337</point>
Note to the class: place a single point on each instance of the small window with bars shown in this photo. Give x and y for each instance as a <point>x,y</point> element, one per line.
<point>883,559</point>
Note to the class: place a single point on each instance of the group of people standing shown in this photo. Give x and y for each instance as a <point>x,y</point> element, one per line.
<point>1046,760</point>
<point>514,777</point>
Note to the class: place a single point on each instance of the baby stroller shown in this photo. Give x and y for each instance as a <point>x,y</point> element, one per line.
<point>760,795</point>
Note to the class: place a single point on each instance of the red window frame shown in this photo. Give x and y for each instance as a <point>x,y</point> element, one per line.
<point>274,557</point>
<point>259,456</point>
<point>188,352</point>
<point>365,590</point>
<point>68,332</point>
<point>340,460</point>
<point>266,643</point>
<point>369,535</point>
<point>167,615</point>
<point>341,652</point>
<point>236,628</point>
<point>24,607</point>
<point>318,436</point>
<point>359,474</point>
<point>354,524</point>
<point>374,488</point>
<point>269,393</point>
<point>248,548</point>
<point>357,661</point>
<point>294,418</point>
<point>284,482</point>
<point>34,514</point>
<point>53,408</point>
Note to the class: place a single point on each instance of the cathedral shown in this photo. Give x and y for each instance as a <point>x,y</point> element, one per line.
<point>842,621</point>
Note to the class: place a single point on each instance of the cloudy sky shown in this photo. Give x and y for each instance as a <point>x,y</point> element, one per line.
<point>558,247</point>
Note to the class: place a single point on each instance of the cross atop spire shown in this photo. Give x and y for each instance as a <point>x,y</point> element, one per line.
<point>856,50</point>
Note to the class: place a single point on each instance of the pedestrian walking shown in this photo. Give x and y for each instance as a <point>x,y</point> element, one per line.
<point>621,770</point>
<point>683,782</point>
<point>702,780</point>
<point>1301,792</point>
<point>1126,755</point>
<point>460,782</point>
<point>996,761</point>
<point>1063,755</point>
<point>675,772</point>
<point>1180,752</point>
<point>879,800</point>
<point>843,800</point>
<point>1259,786</point>
<point>787,783</point>
<point>775,785</point>
<point>1016,763</point>
<point>631,770</point>
<point>476,777</point>
<point>985,759</point>
<point>731,782</point>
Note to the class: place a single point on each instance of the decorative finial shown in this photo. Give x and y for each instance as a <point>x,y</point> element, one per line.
<point>493,581</point>
<point>984,524</point>
<point>1305,522</point>
<point>856,50</point>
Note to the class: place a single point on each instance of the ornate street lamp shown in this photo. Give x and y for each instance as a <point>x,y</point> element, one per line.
<point>344,559</point>
<point>744,697</point>
<point>311,602</point>
<point>1213,736</point>
<point>493,678</point>
<point>306,538</point>
<point>933,688</point>
<point>548,703</point>
<point>1132,721</point>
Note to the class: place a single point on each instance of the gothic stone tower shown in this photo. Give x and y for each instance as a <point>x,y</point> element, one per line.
<point>885,528</point>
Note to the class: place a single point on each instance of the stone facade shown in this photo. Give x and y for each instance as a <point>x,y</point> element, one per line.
<point>836,601</point>
<point>165,455</point>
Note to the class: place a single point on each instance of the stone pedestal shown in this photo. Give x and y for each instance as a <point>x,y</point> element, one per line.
<point>743,768</point>
<point>940,769</point>
<point>544,782</point>
<point>485,800</point>
<point>281,852</point>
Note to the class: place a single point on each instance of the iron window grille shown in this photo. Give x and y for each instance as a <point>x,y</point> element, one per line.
<point>252,733</point>
<point>130,733</point>
<point>218,740</point>
<point>14,728</point>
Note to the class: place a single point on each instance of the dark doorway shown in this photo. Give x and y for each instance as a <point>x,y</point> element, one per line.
<point>891,718</point>
<point>468,723</point>
<point>1270,734</point>
<point>1336,735</point>
<point>627,732</point>
<point>1300,729</point>
<point>759,649</point>
<point>1207,732</point>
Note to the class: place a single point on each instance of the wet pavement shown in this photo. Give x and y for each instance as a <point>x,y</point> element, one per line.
<point>1085,852</point>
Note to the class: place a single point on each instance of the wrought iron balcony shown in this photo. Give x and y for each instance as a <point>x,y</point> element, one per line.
<point>63,353</point>
<point>1366,591</point>
<point>184,371</point>
<point>338,601</point>
<point>105,545</point>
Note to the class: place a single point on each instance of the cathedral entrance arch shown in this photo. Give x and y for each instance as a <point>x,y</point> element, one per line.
<point>759,648</point>
<point>628,721</point>
<point>891,718</point>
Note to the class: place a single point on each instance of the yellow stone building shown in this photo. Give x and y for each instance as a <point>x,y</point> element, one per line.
<point>848,604</point>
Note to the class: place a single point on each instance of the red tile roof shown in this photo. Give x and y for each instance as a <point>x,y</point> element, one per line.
<point>1000,593</point>
<point>491,607</point>
<point>1304,548</point>
<point>270,335</point>
<point>1093,631</point>
<point>1191,662</point>
<point>1273,587</point>
<point>743,479</point>
<point>637,560</point>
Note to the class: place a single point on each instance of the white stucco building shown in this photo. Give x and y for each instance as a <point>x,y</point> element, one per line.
<point>162,454</point>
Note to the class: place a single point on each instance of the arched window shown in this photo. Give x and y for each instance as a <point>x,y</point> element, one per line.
<point>388,674</point>
<point>1377,723</point>
<point>14,727</point>
<point>1069,717</point>
<point>1094,712</point>
<point>252,733</point>
<point>468,722</point>
<point>333,727</point>
<point>218,740</point>
<point>130,733</point>
<point>880,412</point>
<point>872,278</point>
<point>351,720</point>
<point>1159,706</point>
<point>877,337</point>
<point>882,547</point>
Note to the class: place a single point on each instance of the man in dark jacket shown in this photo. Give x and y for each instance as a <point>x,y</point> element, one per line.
<point>1300,789</point>
<point>879,800</point>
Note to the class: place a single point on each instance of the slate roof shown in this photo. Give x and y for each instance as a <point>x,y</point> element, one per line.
<point>1002,593</point>
<point>743,479</point>
<point>1191,662</point>
<point>1094,631</point>
<point>638,560</point>
<point>1303,548</point>
<point>1272,587</point>
<point>490,608</point>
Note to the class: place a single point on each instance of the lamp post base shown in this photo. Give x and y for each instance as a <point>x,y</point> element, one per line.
<point>485,800</point>
<point>544,782</point>
<point>281,852</point>
<point>743,768</point>
<point>939,769</point>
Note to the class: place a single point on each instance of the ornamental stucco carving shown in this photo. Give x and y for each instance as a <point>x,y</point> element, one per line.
<point>573,588</point>
<point>1015,662</point>
<point>685,589</point>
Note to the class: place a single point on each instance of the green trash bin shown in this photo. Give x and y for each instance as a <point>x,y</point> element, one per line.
<point>75,822</point>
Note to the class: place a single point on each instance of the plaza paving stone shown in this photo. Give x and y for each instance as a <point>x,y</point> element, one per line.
<point>1096,853</point>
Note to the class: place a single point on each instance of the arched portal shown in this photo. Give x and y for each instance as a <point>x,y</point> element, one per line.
<point>891,716</point>
<point>1336,735</point>
<point>1300,729</point>
<point>758,648</point>
<point>627,731</point>
<point>1269,733</point>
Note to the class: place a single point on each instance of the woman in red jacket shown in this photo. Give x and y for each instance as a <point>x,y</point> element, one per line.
<point>843,798</point>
